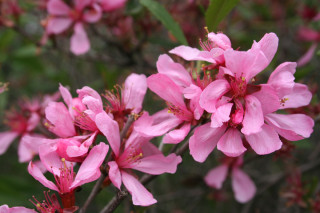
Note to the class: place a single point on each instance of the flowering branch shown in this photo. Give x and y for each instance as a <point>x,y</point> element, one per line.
<point>97,187</point>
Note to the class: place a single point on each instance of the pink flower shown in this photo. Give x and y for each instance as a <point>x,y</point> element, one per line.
<point>66,180</point>
<point>3,87</point>
<point>62,17</point>
<point>21,124</point>
<point>136,153</point>
<point>238,106</point>
<point>6,209</point>
<point>243,187</point>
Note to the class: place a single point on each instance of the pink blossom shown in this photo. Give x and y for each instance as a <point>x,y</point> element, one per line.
<point>242,185</point>
<point>137,153</point>
<point>240,108</point>
<point>18,209</point>
<point>66,179</point>
<point>62,17</point>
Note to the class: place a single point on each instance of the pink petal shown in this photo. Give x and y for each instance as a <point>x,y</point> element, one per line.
<point>175,71</point>
<point>90,168</point>
<point>66,95</point>
<point>37,174</point>
<point>265,141</point>
<point>17,209</point>
<point>163,86</point>
<point>93,15</point>
<point>57,25</point>
<point>193,93</point>
<point>216,176</point>
<point>24,152</point>
<point>33,121</point>
<point>62,123</point>
<point>221,115</point>
<point>50,158</point>
<point>177,135</point>
<point>114,174</point>
<point>110,129</point>
<point>299,96</point>
<point>268,98</point>
<point>212,93</point>
<point>112,5</point>
<point>6,138</point>
<point>140,195</point>
<point>205,138</point>
<point>58,7</point>
<point>81,4</point>
<point>157,164</point>
<point>243,187</point>
<point>88,91</point>
<point>151,126</point>
<point>292,127</point>
<point>80,43</point>
<point>135,88</point>
<point>282,78</point>
<point>193,54</point>
<point>220,39</point>
<point>268,45</point>
<point>307,56</point>
<point>245,64</point>
<point>231,143</point>
<point>82,148</point>
<point>253,117</point>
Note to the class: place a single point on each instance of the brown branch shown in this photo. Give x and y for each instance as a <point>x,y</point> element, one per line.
<point>97,187</point>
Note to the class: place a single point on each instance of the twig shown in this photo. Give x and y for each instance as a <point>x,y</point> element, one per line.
<point>97,187</point>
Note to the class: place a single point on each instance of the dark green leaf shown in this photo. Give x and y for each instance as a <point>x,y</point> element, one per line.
<point>217,11</point>
<point>166,19</point>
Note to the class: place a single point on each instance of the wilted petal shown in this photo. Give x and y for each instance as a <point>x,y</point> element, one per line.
<point>37,174</point>
<point>80,43</point>
<point>264,142</point>
<point>292,127</point>
<point>216,176</point>
<point>135,88</point>
<point>110,129</point>
<point>90,168</point>
<point>177,135</point>
<point>243,187</point>
<point>114,174</point>
<point>212,93</point>
<point>231,143</point>
<point>140,195</point>
<point>175,71</point>
<point>205,138</point>
<point>253,117</point>
<point>157,164</point>
<point>6,138</point>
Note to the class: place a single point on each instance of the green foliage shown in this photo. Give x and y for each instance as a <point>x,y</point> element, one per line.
<point>166,19</point>
<point>217,11</point>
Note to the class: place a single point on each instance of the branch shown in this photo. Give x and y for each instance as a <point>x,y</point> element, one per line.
<point>97,187</point>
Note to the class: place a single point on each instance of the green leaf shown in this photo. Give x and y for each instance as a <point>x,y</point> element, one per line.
<point>166,19</point>
<point>217,11</point>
